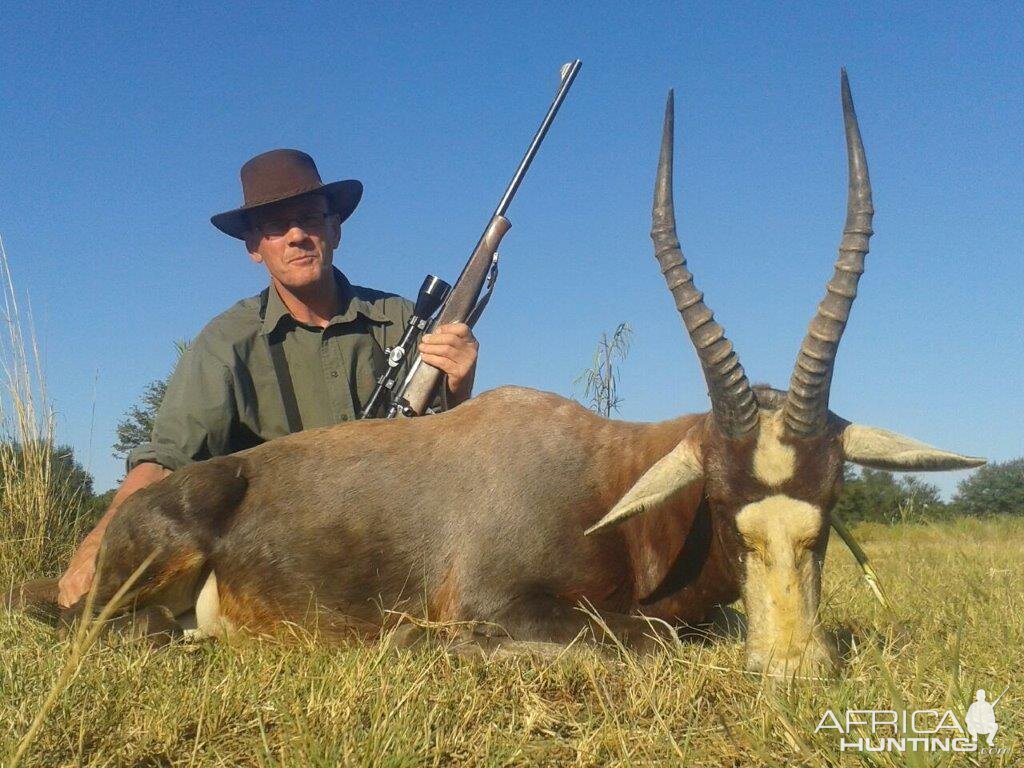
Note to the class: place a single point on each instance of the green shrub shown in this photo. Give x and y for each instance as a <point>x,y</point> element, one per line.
<point>883,497</point>
<point>995,489</point>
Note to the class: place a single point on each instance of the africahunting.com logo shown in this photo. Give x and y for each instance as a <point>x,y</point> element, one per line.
<point>918,730</point>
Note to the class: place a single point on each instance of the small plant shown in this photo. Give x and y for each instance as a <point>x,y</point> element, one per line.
<point>600,381</point>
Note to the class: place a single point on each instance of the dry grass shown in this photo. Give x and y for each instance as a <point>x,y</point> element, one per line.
<point>39,514</point>
<point>956,589</point>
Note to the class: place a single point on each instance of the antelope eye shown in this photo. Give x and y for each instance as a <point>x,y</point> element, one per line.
<point>753,545</point>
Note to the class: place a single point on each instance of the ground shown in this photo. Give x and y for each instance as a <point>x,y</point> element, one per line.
<point>956,588</point>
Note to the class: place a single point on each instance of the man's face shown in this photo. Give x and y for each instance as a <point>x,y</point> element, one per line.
<point>295,239</point>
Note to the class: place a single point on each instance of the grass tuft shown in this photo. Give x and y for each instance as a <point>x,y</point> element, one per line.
<point>40,512</point>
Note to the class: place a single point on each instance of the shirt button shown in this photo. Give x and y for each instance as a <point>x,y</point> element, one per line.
<point>334,374</point>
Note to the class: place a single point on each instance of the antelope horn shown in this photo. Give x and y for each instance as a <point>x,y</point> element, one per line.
<point>732,400</point>
<point>806,408</point>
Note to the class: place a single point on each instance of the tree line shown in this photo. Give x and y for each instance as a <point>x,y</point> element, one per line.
<point>872,494</point>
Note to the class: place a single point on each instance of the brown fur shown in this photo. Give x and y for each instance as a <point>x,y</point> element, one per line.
<point>331,527</point>
<point>37,598</point>
<point>247,612</point>
<point>175,583</point>
<point>443,602</point>
<point>339,530</point>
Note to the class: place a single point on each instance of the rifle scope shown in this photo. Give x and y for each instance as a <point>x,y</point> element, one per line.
<point>432,294</point>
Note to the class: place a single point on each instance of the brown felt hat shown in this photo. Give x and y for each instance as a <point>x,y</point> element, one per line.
<point>282,174</point>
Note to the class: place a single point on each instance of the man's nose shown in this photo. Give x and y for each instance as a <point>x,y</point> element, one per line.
<point>296,233</point>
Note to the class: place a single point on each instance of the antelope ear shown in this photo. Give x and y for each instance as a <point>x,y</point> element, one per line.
<point>879,449</point>
<point>676,470</point>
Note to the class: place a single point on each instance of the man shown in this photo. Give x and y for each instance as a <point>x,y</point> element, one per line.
<point>981,717</point>
<point>305,353</point>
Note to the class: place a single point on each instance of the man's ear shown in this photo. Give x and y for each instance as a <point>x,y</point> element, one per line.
<point>670,475</point>
<point>252,244</point>
<point>334,232</point>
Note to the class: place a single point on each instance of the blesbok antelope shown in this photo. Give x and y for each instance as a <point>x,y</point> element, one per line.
<point>525,504</point>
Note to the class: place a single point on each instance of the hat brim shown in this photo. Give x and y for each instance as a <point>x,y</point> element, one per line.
<point>344,196</point>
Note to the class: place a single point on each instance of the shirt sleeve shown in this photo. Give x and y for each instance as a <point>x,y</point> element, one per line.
<point>195,417</point>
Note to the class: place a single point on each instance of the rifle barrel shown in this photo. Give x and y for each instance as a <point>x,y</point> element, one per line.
<point>421,380</point>
<point>571,70</point>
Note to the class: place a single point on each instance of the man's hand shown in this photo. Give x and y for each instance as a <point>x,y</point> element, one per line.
<point>452,348</point>
<point>77,579</point>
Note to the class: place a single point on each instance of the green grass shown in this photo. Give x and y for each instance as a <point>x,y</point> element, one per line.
<point>956,587</point>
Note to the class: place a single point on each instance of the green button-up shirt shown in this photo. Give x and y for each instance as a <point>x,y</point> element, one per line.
<point>224,395</point>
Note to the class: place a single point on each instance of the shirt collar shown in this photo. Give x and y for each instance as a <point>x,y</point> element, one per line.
<point>349,302</point>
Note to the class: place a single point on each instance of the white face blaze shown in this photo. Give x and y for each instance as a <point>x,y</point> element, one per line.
<point>782,585</point>
<point>781,534</point>
<point>774,461</point>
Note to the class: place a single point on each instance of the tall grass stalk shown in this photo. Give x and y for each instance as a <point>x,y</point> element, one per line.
<point>39,511</point>
<point>89,630</point>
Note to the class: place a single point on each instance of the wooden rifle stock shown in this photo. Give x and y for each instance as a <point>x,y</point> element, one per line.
<point>422,382</point>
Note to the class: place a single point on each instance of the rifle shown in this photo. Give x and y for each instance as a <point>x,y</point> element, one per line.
<point>460,303</point>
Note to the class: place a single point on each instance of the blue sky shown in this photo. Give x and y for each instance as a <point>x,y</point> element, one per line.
<point>123,131</point>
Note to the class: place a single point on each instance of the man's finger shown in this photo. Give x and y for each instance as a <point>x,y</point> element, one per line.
<point>459,329</point>
<point>445,364</point>
<point>447,339</point>
<point>450,346</point>
<point>453,339</point>
<point>449,351</point>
